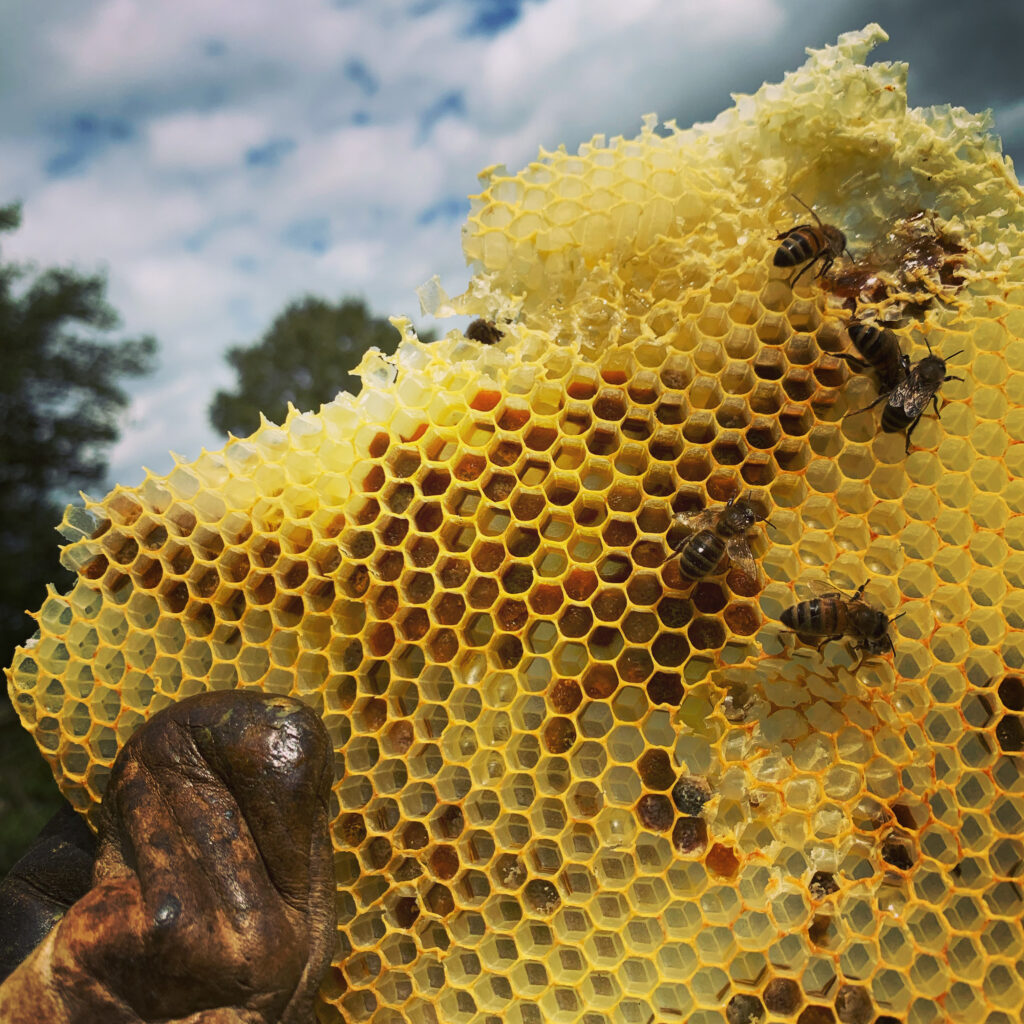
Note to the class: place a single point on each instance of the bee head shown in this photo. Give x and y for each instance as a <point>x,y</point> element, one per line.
<point>741,514</point>
<point>836,239</point>
<point>877,644</point>
<point>933,367</point>
<point>881,641</point>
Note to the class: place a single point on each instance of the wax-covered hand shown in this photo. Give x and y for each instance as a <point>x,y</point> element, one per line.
<point>212,898</point>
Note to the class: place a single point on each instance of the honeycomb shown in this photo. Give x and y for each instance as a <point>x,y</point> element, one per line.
<point>573,786</point>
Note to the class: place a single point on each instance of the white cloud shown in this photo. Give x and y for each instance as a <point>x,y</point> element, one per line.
<point>86,220</point>
<point>204,141</point>
<point>128,41</point>
<point>182,290</point>
<point>625,60</point>
<point>354,165</point>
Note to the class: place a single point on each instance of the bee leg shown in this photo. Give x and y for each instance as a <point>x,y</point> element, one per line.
<point>910,431</point>
<point>944,379</point>
<point>798,638</point>
<point>853,361</point>
<point>881,398</point>
<point>807,266</point>
<point>859,590</point>
<point>676,548</point>
<point>863,657</point>
<point>839,636</point>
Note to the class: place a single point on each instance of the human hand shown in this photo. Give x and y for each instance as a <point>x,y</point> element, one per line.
<point>212,896</point>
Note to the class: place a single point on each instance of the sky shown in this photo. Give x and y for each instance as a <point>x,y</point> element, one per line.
<point>217,160</point>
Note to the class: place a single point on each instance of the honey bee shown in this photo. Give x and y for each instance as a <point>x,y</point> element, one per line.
<point>484,331</point>
<point>832,616</point>
<point>906,402</point>
<point>809,243</point>
<point>880,349</point>
<point>717,531</point>
<point>915,263</point>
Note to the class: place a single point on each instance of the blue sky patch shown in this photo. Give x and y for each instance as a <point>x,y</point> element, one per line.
<point>422,8</point>
<point>82,137</point>
<point>447,209</point>
<point>215,48</point>
<point>451,104</point>
<point>311,235</point>
<point>358,73</point>
<point>490,17</point>
<point>270,154</point>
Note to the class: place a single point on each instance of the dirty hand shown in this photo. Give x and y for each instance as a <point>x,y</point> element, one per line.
<point>212,896</point>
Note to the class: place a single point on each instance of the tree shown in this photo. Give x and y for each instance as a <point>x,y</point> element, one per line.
<point>60,397</point>
<point>305,358</point>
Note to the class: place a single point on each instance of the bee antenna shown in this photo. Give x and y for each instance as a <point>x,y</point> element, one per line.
<point>810,209</point>
<point>929,347</point>
<point>895,617</point>
<point>769,522</point>
<point>956,353</point>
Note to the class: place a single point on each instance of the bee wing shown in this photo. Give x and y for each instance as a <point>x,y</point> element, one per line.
<point>902,396</point>
<point>739,552</point>
<point>925,392</point>
<point>818,588</point>
<point>695,521</point>
<point>912,394</point>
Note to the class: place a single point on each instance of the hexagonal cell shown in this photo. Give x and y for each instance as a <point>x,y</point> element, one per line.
<point>690,794</point>
<point>822,884</point>
<point>782,996</point>
<point>604,643</point>
<point>690,836</point>
<point>655,812</point>
<point>897,850</point>
<point>665,688</point>
<point>487,556</point>
<point>744,1008</point>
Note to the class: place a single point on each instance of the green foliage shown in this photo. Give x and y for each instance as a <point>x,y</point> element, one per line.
<point>60,397</point>
<point>304,358</point>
